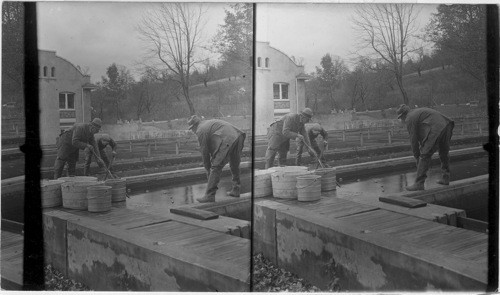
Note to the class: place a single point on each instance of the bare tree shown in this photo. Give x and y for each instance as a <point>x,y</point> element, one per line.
<point>388,30</point>
<point>173,33</point>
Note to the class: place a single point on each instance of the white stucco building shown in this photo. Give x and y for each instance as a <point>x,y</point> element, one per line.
<point>64,96</point>
<point>279,86</point>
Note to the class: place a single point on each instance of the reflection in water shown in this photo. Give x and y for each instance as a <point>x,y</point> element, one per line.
<point>397,181</point>
<point>181,194</point>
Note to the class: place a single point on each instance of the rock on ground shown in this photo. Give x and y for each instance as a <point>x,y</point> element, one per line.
<point>267,277</point>
<point>56,281</point>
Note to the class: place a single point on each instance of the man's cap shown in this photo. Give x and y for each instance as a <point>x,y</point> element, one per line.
<point>314,127</point>
<point>307,112</point>
<point>96,122</point>
<point>103,136</point>
<point>193,121</point>
<point>402,110</point>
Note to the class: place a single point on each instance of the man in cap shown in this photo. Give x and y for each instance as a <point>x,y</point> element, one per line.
<point>312,131</point>
<point>78,137</point>
<point>102,140</point>
<point>290,126</point>
<point>220,143</point>
<point>429,131</point>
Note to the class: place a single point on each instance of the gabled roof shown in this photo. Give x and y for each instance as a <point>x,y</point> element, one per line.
<point>89,86</point>
<point>303,76</point>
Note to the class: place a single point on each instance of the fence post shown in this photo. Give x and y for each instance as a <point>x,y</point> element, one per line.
<point>149,149</point>
<point>368,132</point>
<point>17,130</point>
<point>361,138</point>
<point>155,144</point>
<point>480,129</point>
<point>462,129</point>
<point>130,145</point>
<point>389,136</point>
<point>343,135</point>
<point>177,147</point>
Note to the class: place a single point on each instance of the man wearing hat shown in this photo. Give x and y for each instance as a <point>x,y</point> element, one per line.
<point>78,137</point>
<point>102,140</point>
<point>313,130</point>
<point>429,131</point>
<point>290,126</point>
<point>220,143</point>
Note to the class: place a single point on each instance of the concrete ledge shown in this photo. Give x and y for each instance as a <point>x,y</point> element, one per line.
<point>185,174</point>
<point>107,258</point>
<point>320,249</point>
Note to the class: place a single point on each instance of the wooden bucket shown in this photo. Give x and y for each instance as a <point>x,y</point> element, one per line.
<point>308,188</point>
<point>328,178</point>
<point>74,194</point>
<point>99,198</point>
<point>51,193</point>
<point>284,182</point>
<point>262,184</point>
<point>118,189</point>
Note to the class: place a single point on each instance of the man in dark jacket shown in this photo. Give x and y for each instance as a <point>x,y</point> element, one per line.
<point>429,131</point>
<point>313,130</point>
<point>290,126</point>
<point>102,140</point>
<point>79,137</point>
<point>220,143</point>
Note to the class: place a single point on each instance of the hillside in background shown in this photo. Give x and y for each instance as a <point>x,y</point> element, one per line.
<point>433,88</point>
<point>438,86</point>
<point>219,99</point>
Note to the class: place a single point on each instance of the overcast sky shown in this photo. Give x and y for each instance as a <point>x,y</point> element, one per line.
<point>94,35</point>
<point>312,30</point>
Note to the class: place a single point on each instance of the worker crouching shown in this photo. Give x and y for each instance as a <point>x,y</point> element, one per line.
<point>313,130</point>
<point>290,126</point>
<point>78,137</point>
<point>429,131</point>
<point>220,142</point>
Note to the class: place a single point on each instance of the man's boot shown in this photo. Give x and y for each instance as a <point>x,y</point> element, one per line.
<point>235,191</point>
<point>213,181</point>
<point>418,186</point>
<point>206,199</point>
<point>423,166</point>
<point>445,179</point>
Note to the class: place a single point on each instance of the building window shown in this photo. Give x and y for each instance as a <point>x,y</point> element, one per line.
<point>53,72</point>
<point>45,71</point>
<point>280,90</point>
<point>258,62</point>
<point>66,101</point>
<point>267,62</point>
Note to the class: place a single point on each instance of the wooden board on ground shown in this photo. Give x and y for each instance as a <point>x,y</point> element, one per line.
<point>403,201</point>
<point>194,213</point>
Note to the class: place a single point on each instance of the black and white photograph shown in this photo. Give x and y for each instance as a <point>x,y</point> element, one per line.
<point>249,147</point>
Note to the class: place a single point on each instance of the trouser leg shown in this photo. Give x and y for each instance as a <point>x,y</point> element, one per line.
<point>72,159</point>
<point>58,168</point>
<point>270,155</point>
<point>444,154</point>
<point>213,181</point>
<point>424,163</point>
<point>86,167</point>
<point>234,165</point>
<point>298,158</point>
<point>71,168</point>
<point>283,151</point>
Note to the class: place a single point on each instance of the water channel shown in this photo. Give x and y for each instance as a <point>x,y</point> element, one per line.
<point>169,195</point>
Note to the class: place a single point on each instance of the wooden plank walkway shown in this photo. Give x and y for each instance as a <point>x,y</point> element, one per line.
<point>435,237</point>
<point>165,231</point>
<point>12,261</point>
